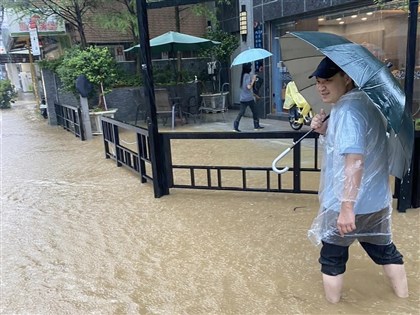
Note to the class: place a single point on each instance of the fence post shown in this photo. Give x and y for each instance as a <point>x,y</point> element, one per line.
<point>157,158</point>
<point>117,143</point>
<point>296,167</point>
<point>167,167</point>
<point>141,149</point>
<point>85,118</point>
<point>78,121</point>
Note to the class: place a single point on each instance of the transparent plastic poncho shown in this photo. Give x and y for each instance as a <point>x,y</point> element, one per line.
<point>355,168</point>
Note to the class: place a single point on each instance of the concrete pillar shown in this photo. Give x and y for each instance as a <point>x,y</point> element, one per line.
<point>51,94</point>
<point>84,106</point>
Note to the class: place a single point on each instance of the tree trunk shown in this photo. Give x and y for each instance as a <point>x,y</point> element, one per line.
<point>83,42</point>
<point>80,26</point>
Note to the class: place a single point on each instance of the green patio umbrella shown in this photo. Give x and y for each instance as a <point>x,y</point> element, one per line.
<point>174,41</point>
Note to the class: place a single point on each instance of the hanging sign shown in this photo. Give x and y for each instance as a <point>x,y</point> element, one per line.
<point>33,34</point>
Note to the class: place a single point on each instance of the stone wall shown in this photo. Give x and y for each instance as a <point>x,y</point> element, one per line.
<point>130,101</point>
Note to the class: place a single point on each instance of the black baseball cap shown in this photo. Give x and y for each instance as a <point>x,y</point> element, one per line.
<point>326,69</point>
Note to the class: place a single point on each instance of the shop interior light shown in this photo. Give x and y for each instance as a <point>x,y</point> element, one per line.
<point>369,13</point>
<point>364,18</point>
<point>338,19</point>
<point>354,16</point>
<point>321,19</point>
<point>341,22</point>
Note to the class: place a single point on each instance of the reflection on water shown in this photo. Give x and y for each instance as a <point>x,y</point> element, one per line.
<point>81,236</point>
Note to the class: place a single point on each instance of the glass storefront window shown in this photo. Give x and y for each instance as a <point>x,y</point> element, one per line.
<point>382,30</point>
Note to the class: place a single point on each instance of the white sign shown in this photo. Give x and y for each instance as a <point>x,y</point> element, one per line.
<point>19,25</point>
<point>33,33</point>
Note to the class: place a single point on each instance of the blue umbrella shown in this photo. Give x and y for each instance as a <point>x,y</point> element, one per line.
<point>302,51</point>
<point>250,55</point>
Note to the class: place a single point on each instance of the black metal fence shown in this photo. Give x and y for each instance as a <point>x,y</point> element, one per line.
<point>136,157</point>
<point>70,117</point>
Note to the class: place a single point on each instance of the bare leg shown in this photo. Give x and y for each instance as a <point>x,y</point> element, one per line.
<point>398,278</point>
<point>332,287</point>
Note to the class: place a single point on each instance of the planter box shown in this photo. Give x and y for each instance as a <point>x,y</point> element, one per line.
<point>215,100</point>
<point>95,119</point>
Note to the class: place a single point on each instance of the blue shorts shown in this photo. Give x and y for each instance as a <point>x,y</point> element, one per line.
<point>333,258</point>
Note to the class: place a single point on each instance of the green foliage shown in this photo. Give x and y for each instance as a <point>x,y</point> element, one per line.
<point>124,79</point>
<point>168,76</point>
<point>7,93</point>
<point>228,41</point>
<point>203,9</point>
<point>96,63</point>
<point>401,5</point>
<point>51,65</point>
<point>164,75</point>
<point>187,76</point>
<point>124,20</point>
<point>224,51</point>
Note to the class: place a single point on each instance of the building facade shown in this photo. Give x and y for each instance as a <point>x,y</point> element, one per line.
<point>382,29</point>
<point>55,34</point>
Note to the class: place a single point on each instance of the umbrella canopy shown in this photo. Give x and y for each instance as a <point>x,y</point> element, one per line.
<point>174,41</point>
<point>134,48</point>
<point>250,55</point>
<point>302,52</point>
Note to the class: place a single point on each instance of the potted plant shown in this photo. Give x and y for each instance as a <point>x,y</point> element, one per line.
<point>96,63</point>
<point>99,67</point>
<point>7,94</point>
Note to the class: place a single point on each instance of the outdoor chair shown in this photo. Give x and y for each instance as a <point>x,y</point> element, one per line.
<point>140,106</point>
<point>191,109</point>
<point>166,106</point>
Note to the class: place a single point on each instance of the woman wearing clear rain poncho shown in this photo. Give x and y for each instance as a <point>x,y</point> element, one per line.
<point>355,197</point>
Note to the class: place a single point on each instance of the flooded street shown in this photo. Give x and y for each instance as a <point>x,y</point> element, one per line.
<point>81,236</point>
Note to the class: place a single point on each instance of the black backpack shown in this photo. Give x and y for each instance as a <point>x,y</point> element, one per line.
<point>257,85</point>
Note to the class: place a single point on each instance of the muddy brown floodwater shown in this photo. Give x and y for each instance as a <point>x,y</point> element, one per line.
<point>81,236</point>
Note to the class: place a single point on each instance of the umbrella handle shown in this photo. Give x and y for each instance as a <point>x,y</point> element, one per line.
<point>285,169</point>
<point>273,165</point>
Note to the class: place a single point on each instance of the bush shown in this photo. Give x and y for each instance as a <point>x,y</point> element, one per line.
<point>7,93</point>
<point>223,51</point>
<point>167,75</point>
<point>96,63</point>
<point>125,79</point>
